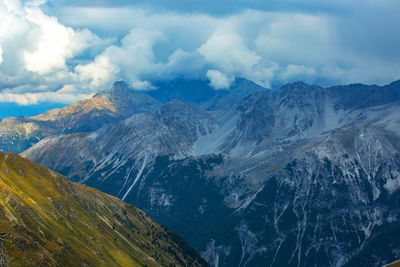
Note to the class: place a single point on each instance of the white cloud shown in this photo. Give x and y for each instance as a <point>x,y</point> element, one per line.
<point>227,52</point>
<point>35,98</point>
<point>297,39</point>
<point>100,72</point>
<point>142,85</point>
<point>128,61</point>
<point>218,80</point>
<point>35,52</point>
<point>297,71</point>
<point>42,53</point>
<point>54,43</point>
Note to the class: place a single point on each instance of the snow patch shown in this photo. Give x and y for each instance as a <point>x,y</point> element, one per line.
<point>209,143</point>
<point>136,179</point>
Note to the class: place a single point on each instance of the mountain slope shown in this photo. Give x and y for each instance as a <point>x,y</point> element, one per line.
<point>56,222</point>
<point>122,148</point>
<point>248,184</point>
<point>19,133</point>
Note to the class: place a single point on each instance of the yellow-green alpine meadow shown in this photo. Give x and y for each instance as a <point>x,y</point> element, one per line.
<point>55,222</point>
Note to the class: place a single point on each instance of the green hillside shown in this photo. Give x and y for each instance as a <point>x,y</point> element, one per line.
<point>55,222</point>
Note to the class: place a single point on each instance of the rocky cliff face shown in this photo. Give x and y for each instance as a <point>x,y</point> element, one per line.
<point>298,176</point>
<point>54,222</point>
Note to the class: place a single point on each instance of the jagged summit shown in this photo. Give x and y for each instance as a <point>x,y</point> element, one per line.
<point>121,88</point>
<point>120,84</point>
<point>180,108</point>
<point>298,88</point>
<point>395,83</point>
<point>363,96</point>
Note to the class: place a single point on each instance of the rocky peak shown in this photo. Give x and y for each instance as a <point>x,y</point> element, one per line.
<point>119,88</point>
<point>178,108</point>
<point>297,88</point>
<point>243,88</point>
<point>395,83</point>
<point>366,95</point>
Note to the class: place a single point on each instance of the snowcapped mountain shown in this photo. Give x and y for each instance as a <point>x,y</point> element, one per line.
<point>298,176</point>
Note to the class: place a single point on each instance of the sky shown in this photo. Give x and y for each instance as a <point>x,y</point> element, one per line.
<point>59,51</point>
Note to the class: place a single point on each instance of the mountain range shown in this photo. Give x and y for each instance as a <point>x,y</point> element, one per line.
<point>298,176</point>
<point>19,133</point>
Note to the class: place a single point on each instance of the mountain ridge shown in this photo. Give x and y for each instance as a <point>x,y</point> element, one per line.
<point>56,222</point>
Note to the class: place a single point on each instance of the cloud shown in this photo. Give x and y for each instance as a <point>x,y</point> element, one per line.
<point>227,52</point>
<point>54,43</point>
<point>36,53</point>
<point>90,44</point>
<point>218,80</point>
<point>127,62</point>
<point>100,72</point>
<point>296,71</point>
<point>35,98</point>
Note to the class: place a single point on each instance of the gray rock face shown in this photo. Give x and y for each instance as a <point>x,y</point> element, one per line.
<point>298,176</point>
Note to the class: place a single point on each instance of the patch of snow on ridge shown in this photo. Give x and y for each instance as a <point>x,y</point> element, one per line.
<point>136,179</point>
<point>214,253</point>
<point>30,128</point>
<point>209,143</point>
<point>93,135</point>
<point>392,184</point>
<point>41,144</point>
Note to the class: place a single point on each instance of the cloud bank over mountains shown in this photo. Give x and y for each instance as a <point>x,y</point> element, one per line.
<point>61,51</point>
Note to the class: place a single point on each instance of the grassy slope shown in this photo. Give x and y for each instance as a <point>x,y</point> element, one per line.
<point>56,222</point>
<point>394,264</point>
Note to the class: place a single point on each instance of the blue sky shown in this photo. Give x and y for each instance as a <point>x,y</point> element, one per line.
<point>59,51</point>
<point>10,109</point>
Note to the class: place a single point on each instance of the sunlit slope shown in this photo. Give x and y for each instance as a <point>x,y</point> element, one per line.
<point>55,222</point>
<point>394,264</point>
<point>113,105</point>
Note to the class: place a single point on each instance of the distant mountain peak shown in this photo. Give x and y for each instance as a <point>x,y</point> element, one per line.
<point>120,84</point>
<point>181,108</point>
<point>118,88</point>
<point>298,86</point>
<point>395,83</point>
